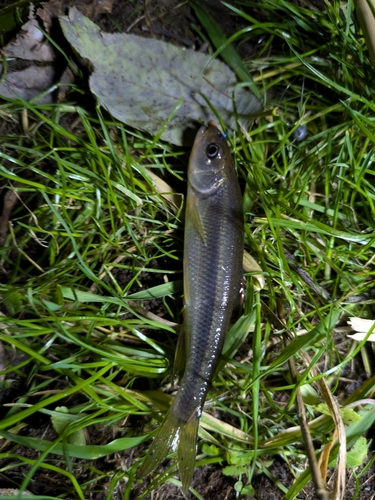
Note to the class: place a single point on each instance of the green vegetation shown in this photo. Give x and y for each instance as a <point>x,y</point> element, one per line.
<point>91,272</point>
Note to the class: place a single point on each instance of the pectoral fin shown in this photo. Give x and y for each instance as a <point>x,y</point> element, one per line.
<point>192,212</point>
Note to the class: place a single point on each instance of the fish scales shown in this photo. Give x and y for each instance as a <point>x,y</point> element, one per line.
<point>212,276</point>
<point>213,249</point>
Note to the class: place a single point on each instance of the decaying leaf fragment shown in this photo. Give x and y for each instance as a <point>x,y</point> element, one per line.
<point>143,81</point>
<point>28,83</point>
<point>32,46</point>
<point>13,492</point>
<point>250,265</point>
<point>10,199</point>
<point>362,327</point>
<point>36,68</point>
<point>49,11</point>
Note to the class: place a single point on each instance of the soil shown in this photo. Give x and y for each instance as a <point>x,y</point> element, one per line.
<point>172,21</point>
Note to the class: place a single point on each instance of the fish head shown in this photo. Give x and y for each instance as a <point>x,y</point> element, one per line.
<point>209,162</point>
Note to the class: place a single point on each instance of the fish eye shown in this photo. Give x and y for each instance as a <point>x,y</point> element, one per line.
<point>212,151</point>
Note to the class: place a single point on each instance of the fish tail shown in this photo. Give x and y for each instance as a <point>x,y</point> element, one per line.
<point>187,449</point>
<point>174,433</point>
<point>163,443</point>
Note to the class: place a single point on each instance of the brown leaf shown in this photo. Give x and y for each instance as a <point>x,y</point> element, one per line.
<point>95,8</point>
<point>30,44</point>
<point>48,11</point>
<point>10,199</point>
<point>28,83</point>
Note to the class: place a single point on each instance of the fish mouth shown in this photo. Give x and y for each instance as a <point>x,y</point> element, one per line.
<point>204,129</point>
<point>212,123</point>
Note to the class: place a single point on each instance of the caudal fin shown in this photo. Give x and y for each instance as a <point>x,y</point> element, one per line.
<point>174,434</point>
<point>187,449</point>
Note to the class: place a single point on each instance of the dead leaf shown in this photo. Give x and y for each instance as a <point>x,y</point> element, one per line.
<point>250,265</point>
<point>13,492</point>
<point>332,405</point>
<point>95,8</point>
<point>166,191</point>
<point>66,79</point>
<point>48,11</point>
<point>339,478</point>
<point>10,199</point>
<point>144,82</point>
<point>362,327</point>
<point>28,83</point>
<point>30,44</point>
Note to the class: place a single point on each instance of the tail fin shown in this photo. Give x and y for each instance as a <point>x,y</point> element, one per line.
<point>187,449</point>
<point>174,433</point>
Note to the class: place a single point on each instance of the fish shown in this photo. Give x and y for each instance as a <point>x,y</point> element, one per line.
<point>212,265</point>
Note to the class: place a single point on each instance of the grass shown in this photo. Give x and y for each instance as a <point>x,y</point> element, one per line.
<point>92,270</point>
